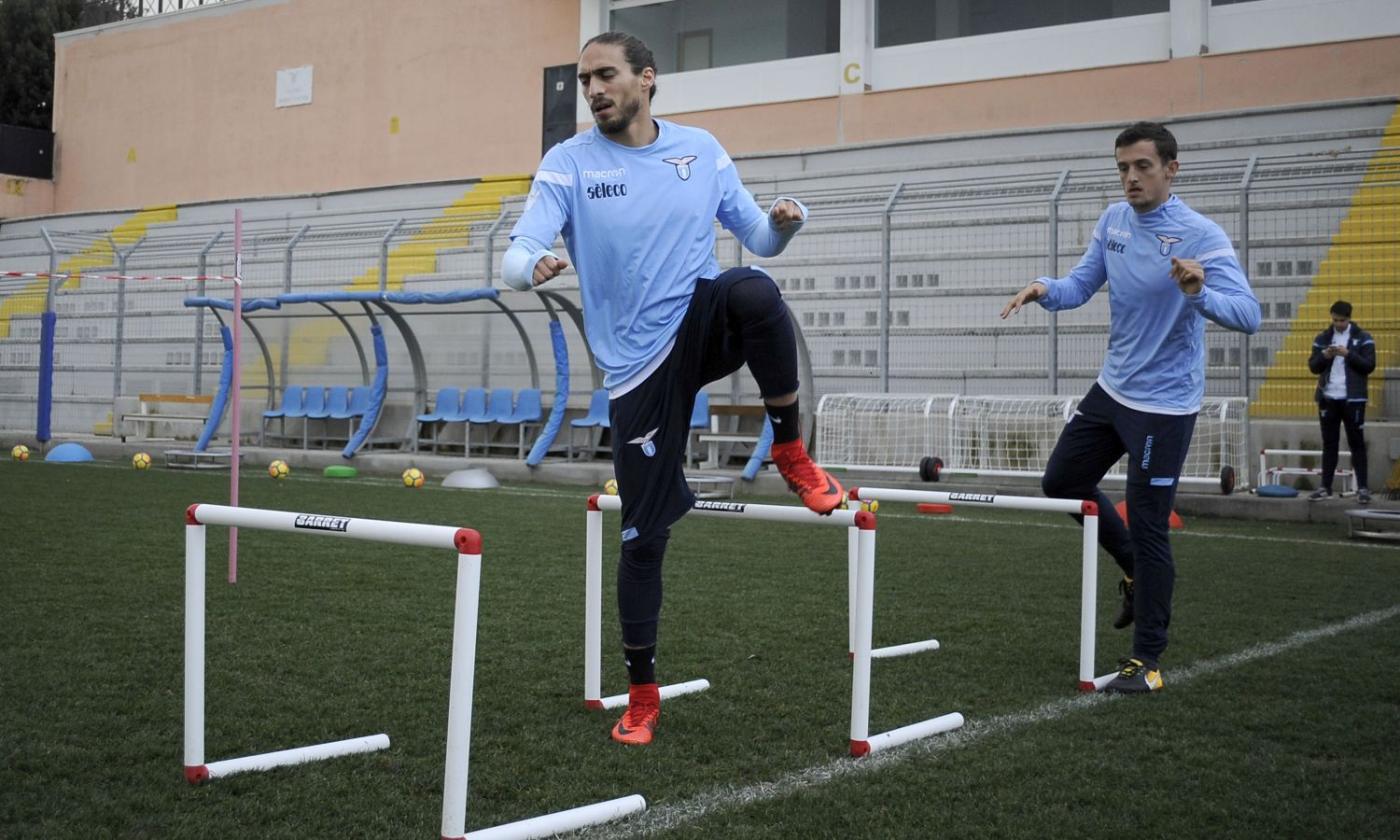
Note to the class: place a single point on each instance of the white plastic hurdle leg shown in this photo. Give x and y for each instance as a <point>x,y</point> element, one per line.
<point>862,742</point>
<point>862,606</point>
<point>852,550</point>
<point>454,796</point>
<point>1088,594</point>
<point>593,617</point>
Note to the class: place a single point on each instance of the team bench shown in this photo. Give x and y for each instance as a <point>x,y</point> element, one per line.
<point>162,415</point>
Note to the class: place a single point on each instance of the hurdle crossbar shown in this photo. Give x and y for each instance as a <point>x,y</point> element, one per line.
<point>861,741</point>
<point>467,543</point>
<point>1088,593</point>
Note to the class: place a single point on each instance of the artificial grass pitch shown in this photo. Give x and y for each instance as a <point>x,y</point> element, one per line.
<point>323,639</point>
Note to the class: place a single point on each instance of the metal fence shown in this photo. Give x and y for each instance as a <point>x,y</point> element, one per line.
<point>896,286</point>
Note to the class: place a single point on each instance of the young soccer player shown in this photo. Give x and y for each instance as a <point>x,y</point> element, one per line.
<point>636,199</point>
<point>1168,268</point>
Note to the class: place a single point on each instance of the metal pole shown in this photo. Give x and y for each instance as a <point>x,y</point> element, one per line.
<point>1244,260</point>
<point>199,315</point>
<point>489,257</point>
<point>53,268</point>
<point>885,287</point>
<point>122,257</point>
<point>1053,269</point>
<point>384,255</point>
<point>286,289</point>
<point>1245,181</point>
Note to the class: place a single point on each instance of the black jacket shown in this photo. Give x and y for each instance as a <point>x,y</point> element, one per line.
<point>1358,364</point>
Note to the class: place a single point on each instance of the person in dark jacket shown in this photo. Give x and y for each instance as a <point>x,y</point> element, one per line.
<point>1343,355</point>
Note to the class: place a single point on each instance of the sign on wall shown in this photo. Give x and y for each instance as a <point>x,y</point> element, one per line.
<point>294,86</point>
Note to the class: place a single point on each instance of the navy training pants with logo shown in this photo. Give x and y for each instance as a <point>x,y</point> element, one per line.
<point>736,318</point>
<point>1100,432</point>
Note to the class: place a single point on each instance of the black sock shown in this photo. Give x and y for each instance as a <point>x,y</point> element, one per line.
<point>787,422</point>
<point>641,664</point>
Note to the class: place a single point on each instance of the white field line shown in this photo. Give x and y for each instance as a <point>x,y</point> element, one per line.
<point>732,797</point>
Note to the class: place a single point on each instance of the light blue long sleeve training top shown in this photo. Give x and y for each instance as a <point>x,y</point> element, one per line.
<point>639,225</point>
<point>1156,336</point>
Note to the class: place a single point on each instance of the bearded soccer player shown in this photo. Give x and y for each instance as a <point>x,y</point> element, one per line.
<point>1168,269</point>
<point>636,199</point>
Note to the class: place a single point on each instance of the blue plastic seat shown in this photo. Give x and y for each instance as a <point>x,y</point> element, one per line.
<point>596,418</point>
<point>528,412</point>
<point>445,406</point>
<point>699,422</point>
<point>499,406</point>
<point>356,408</point>
<point>313,408</point>
<point>292,397</point>
<point>473,405</point>
<point>447,400</point>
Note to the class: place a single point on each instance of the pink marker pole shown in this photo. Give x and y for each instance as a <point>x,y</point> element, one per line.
<point>236,388</point>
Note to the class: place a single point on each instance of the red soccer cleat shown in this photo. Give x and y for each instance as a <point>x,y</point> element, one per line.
<point>812,484</point>
<point>639,721</point>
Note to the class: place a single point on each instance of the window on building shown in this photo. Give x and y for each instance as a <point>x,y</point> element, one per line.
<point>699,34</point>
<point>912,21</point>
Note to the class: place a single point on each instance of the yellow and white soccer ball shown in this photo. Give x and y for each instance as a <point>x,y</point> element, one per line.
<point>610,487</point>
<point>873,505</point>
<point>20,452</point>
<point>413,477</point>
<point>279,469</point>
<point>141,460</point>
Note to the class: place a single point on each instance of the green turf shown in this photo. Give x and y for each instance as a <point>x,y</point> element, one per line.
<point>324,639</point>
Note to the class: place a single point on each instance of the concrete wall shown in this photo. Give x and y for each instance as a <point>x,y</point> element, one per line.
<point>180,108</point>
<point>21,197</point>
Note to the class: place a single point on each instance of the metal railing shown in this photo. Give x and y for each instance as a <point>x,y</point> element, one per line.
<point>896,286</point>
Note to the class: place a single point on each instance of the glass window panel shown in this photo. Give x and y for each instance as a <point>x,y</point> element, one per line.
<point>696,34</point>
<point>912,21</point>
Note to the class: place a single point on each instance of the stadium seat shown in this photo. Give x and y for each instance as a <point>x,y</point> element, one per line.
<point>447,403</point>
<point>699,422</point>
<point>292,397</point>
<point>312,406</point>
<point>356,408</point>
<point>528,413</point>
<point>473,405</point>
<point>596,418</point>
<point>498,409</point>
<point>337,400</point>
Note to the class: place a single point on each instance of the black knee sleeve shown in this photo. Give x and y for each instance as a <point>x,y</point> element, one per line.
<point>757,312</point>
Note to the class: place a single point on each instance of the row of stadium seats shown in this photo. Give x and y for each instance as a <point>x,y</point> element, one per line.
<point>475,407</point>
<point>317,402</point>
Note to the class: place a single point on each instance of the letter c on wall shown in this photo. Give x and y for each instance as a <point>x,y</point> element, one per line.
<point>850,74</point>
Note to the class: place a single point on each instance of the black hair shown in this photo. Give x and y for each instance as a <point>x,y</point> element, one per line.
<point>634,50</point>
<point>1156,132</point>
<point>1342,308</point>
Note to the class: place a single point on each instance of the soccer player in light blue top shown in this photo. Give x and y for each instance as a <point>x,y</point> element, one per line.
<point>636,199</point>
<point>1168,269</point>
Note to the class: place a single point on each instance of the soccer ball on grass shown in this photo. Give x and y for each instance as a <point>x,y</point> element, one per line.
<point>413,477</point>
<point>20,452</point>
<point>279,469</point>
<point>141,460</point>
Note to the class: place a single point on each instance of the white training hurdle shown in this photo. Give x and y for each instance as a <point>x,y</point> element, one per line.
<point>1088,594</point>
<point>467,544</point>
<point>861,741</point>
